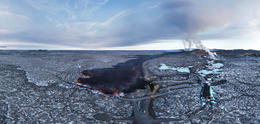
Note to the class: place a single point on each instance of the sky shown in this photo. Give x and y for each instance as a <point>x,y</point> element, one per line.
<point>129,24</point>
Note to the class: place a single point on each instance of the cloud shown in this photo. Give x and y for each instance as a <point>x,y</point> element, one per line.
<point>10,21</point>
<point>88,24</point>
<point>176,19</point>
<point>70,10</point>
<point>3,46</point>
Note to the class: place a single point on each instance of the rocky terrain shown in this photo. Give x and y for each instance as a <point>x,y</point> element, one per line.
<point>41,87</point>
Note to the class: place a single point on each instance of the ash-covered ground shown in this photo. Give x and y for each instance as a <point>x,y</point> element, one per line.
<point>41,87</point>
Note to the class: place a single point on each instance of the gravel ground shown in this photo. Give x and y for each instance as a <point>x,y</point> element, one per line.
<point>41,87</point>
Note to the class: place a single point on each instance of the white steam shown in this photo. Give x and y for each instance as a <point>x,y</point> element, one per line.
<point>192,41</point>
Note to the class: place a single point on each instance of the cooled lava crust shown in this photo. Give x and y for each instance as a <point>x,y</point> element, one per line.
<point>121,78</point>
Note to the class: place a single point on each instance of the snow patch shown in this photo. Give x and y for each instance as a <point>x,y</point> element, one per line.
<point>213,68</point>
<point>38,83</point>
<point>179,69</point>
<point>65,85</point>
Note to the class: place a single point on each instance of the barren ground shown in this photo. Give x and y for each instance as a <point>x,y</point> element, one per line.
<point>41,87</point>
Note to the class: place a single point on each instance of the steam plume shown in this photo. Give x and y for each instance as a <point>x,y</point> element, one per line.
<point>193,40</point>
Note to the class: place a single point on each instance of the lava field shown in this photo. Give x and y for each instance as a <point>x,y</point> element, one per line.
<point>125,87</point>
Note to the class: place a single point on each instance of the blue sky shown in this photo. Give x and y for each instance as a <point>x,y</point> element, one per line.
<point>128,24</point>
